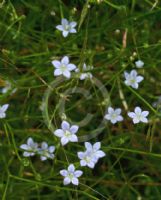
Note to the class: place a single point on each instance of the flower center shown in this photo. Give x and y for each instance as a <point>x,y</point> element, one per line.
<point>67,27</point>
<point>87,159</point>
<point>139,116</point>
<point>67,133</point>
<point>70,175</point>
<point>113,116</point>
<point>132,81</point>
<point>63,67</point>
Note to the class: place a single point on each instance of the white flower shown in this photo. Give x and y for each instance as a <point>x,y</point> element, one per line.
<point>86,159</point>
<point>3,110</point>
<point>114,115</point>
<point>71,175</point>
<point>132,79</point>
<point>85,74</point>
<point>92,154</point>
<point>63,67</point>
<point>67,27</point>
<point>139,64</point>
<point>67,133</point>
<point>30,148</point>
<point>138,115</point>
<point>46,152</point>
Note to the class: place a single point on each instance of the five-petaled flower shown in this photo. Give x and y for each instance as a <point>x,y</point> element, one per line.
<point>132,79</point>
<point>92,154</point>
<point>46,151</point>
<point>3,110</point>
<point>63,67</point>
<point>71,175</point>
<point>139,63</point>
<point>138,115</point>
<point>114,115</point>
<point>85,74</point>
<point>67,27</point>
<point>30,148</point>
<point>67,133</point>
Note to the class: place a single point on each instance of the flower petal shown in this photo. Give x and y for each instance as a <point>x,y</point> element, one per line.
<point>24,146</point>
<point>67,74</point>
<point>66,181</point>
<point>131,114</point>
<point>26,154</point>
<point>73,30</point>
<point>65,33</point>
<point>80,155</point>
<point>60,27</point>
<point>145,113</point>
<point>119,118</point>
<point>71,168</point>
<point>71,67</point>
<point>51,149</point>
<point>97,146</point>
<point>64,172</point>
<point>73,138</point>
<point>110,110</point>
<point>43,158</point>
<point>74,129</point>
<point>78,173</point>
<point>126,75</point>
<point>144,119</point>
<point>30,141</point>
<point>136,120</point>
<point>57,72</point>
<point>64,22</point>
<point>2,115</point>
<point>113,121</point>
<point>138,110</point>
<point>88,146</point>
<point>73,24</point>
<point>100,154</point>
<point>4,107</point>
<point>44,145</point>
<point>107,116</point>
<point>65,60</point>
<point>91,164</point>
<point>65,125</point>
<point>75,181</point>
<point>83,163</point>
<point>133,73</point>
<point>118,111</point>
<point>56,63</point>
<point>64,140</point>
<point>59,133</point>
<point>139,78</point>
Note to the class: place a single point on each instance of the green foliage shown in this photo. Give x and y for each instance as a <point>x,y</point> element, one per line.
<point>29,42</point>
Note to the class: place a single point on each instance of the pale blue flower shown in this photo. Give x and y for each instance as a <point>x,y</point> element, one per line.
<point>63,67</point>
<point>46,151</point>
<point>71,175</point>
<point>86,159</point>
<point>3,110</point>
<point>138,115</point>
<point>67,133</point>
<point>30,148</point>
<point>139,64</point>
<point>114,115</point>
<point>132,79</point>
<point>92,154</point>
<point>67,27</point>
